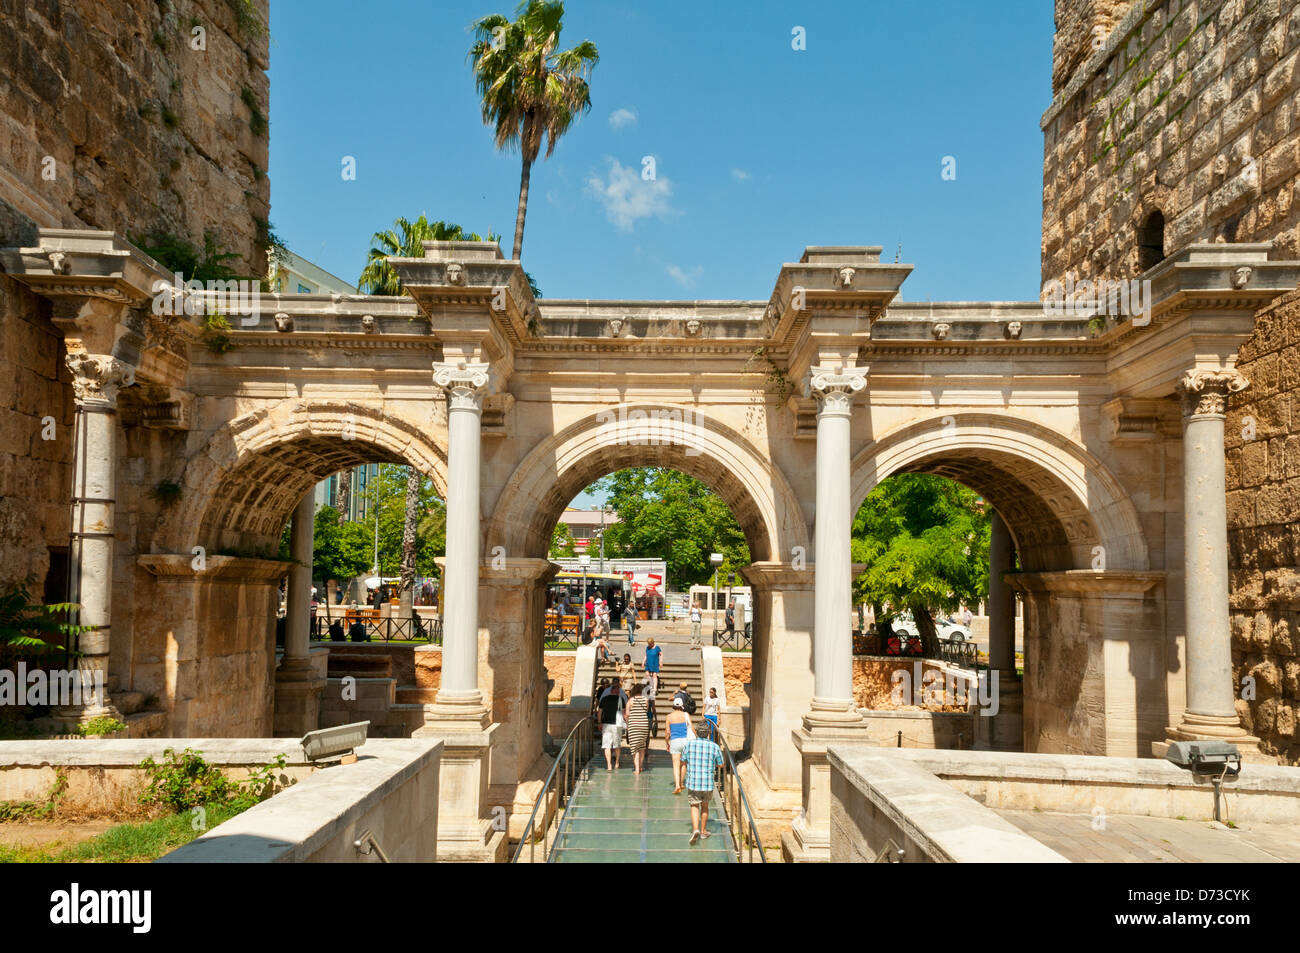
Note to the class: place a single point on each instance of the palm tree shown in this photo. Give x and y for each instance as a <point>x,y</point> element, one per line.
<point>406,240</point>
<point>414,482</point>
<point>531,90</point>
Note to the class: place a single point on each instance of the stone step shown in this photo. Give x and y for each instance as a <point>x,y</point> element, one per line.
<point>371,665</point>
<point>416,695</point>
<point>128,703</point>
<point>146,724</point>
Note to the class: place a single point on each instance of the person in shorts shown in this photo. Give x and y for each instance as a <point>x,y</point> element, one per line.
<point>679,732</point>
<point>701,759</point>
<point>610,706</point>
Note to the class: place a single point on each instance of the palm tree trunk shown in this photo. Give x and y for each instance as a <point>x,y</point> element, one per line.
<point>523,207</point>
<point>343,493</point>
<point>413,481</point>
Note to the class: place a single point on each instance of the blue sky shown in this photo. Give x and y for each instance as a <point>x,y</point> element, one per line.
<point>759,149</point>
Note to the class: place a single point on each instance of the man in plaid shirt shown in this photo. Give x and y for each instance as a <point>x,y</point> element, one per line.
<point>701,758</point>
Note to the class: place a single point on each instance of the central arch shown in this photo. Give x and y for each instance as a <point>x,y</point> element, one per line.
<point>640,435</point>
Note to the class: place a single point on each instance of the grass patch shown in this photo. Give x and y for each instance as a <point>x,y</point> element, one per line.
<point>133,843</point>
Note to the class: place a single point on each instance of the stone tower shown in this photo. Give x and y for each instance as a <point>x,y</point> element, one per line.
<point>1173,123</point>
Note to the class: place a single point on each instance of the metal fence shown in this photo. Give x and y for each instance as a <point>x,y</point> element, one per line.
<point>740,640</point>
<point>356,627</point>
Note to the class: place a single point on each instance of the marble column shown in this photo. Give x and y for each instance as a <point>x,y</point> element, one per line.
<point>468,828</point>
<point>459,697</point>
<point>297,685</point>
<point>833,715</point>
<point>96,380</point>
<point>1003,729</point>
<point>833,598</point>
<point>1211,710</point>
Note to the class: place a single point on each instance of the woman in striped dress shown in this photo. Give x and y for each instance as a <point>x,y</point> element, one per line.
<point>638,727</point>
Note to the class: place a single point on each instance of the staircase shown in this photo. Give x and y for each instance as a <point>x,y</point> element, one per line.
<point>671,676</point>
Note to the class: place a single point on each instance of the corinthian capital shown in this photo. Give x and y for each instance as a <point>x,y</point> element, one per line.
<point>466,384</point>
<point>834,387</point>
<point>96,378</point>
<point>1206,392</point>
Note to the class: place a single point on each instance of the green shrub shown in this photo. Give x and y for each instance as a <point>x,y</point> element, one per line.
<point>185,781</point>
<point>100,726</point>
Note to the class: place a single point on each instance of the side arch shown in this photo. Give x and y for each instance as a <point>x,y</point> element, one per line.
<point>241,484</point>
<point>1058,500</point>
<point>639,435</point>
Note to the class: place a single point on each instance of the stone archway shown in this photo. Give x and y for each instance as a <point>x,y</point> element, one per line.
<point>518,535</point>
<point>208,590</point>
<point>1095,634</point>
<point>246,479</point>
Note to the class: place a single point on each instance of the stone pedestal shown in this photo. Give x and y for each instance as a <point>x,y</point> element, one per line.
<point>464,834</point>
<point>1211,705</point>
<point>809,837</point>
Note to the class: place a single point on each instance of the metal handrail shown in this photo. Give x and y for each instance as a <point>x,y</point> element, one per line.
<point>569,767</point>
<point>734,800</point>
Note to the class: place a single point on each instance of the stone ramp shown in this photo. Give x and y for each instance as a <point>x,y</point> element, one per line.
<point>622,817</point>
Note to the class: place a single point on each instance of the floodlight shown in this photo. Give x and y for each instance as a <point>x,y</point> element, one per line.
<point>339,742</point>
<point>1219,759</point>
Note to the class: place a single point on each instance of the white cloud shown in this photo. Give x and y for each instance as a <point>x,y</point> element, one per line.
<point>740,175</point>
<point>685,278</point>
<point>628,197</point>
<point>622,117</point>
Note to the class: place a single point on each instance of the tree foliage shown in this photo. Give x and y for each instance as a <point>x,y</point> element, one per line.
<point>562,542</point>
<point>406,240</point>
<point>668,515</point>
<point>925,542</point>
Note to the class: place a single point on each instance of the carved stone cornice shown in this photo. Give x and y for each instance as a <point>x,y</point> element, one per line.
<point>1205,392</point>
<point>96,378</point>
<point>466,384</point>
<point>835,387</point>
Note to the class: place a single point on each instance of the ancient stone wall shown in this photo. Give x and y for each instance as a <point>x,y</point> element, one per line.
<point>1263,480</point>
<point>1188,110</point>
<point>110,118</point>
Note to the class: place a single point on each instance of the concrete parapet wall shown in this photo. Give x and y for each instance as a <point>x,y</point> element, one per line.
<point>882,800</point>
<point>104,776</point>
<point>391,792</point>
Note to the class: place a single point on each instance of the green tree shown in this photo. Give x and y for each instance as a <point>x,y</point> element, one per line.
<point>339,551</point>
<point>562,542</point>
<point>387,496</point>
<point>925,542</point>
<point>531,90</point>
<point>406,240</point>
<point>672,516</point>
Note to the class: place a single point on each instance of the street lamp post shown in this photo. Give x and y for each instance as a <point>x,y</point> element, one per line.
<point>716,559</point>
<point>584,561</point>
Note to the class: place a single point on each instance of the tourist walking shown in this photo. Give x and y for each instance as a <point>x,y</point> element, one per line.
<point>629,617</point>
<point>712,708</point>
<point>626,670</point>
<point>701,758</point>
<point>731,618</point>
<point>688,703</point>
<point>653,653</point>
<point>679,732</point>
<point>638,727</point>
<point>697,617</point>
<point>611,705</point>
